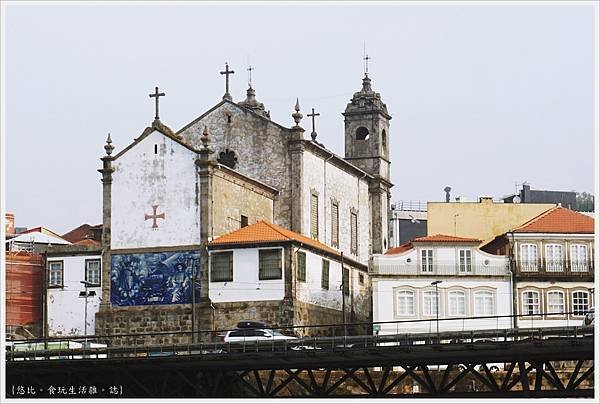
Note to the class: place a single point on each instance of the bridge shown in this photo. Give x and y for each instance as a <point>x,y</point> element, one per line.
<point>533,362</point>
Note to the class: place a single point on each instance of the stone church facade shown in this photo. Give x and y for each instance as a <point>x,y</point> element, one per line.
<point>168,195</point>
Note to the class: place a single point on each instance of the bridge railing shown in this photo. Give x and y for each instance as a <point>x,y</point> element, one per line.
<point>337,337</point>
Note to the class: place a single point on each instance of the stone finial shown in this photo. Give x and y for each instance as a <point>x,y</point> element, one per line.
<point>367,84</point>
<point>297,115</point>
<point>108,147</point>
<point>205,138</point>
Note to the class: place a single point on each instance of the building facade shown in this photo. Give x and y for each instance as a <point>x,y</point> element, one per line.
<point>441,277</point>
<point>552,258</point>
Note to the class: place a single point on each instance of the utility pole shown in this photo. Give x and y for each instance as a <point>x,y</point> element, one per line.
<point>87,294</point>
<point>343,297</point>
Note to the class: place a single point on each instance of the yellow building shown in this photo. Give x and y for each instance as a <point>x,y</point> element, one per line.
<point>482,220</point>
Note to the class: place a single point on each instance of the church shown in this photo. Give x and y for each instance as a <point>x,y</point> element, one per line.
<point>237,217</point>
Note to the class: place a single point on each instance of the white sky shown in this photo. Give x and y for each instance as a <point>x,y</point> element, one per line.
<point>482,95</point>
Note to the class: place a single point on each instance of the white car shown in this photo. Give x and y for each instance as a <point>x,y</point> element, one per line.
<point>255,334</point>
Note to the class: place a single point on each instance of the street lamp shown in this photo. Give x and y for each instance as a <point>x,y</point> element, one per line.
<point>85,294</point>
<point>437,308</point>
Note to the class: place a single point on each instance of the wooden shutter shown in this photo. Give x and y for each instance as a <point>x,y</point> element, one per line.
<point>335,219</point>
<point>353,233</point>
<point>314,216</point>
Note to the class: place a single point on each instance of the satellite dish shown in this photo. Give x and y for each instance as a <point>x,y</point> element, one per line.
<point>516,199</point>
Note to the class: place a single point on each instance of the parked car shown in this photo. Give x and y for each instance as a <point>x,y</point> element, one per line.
<point>255,334</point>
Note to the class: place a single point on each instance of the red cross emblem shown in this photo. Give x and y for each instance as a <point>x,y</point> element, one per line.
<point>154,216</point>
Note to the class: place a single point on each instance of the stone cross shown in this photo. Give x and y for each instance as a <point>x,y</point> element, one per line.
<point>250,68</point>
<point>227,72</point>
<point>156,95</point>
<point>154,216</point>
<point>314,132</point>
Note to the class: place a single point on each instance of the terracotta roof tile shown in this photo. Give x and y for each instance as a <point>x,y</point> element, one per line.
<point>266,232</point>
<point>558,220</point>
<point>87,241</point>
<point>400,249</point>
<point>443,238</point>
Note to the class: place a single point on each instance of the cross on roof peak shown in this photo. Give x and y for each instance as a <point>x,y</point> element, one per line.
<point>156,95</point>
<point>227,72</point>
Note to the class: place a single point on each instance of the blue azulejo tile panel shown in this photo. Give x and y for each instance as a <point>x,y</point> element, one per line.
<point>154,278</point>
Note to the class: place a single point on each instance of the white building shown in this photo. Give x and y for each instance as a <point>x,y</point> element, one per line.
<point>472,283</point>
<point>282,270</point>
<point>72,271</point>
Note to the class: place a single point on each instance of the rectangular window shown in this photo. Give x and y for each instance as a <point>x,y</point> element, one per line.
<point>483,303</point>
<point>325,275</point>
<point>55,274</point>
<point>531,302</point>
<point>430,303</point>
<point>556,302</point>
<point>269,264</point>
<point>92,272</point>
<point>579,258</point>
<point>353,233</point>
<point>346,281</point>
<point>465,261</point>
<point>581,303</point>
<point>405,303</point>
<point>554,258</point>
<point>301,261</point>
<point>456,303</point>
<point>243,221</point>
<point>529,257</point>
<point>221,267</point>
<point>427,260</point>
<point>335,227</point>
<point>361,279</point>
<point>314,216</point>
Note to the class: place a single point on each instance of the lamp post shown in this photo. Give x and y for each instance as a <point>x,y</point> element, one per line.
<point>437,309</point>
<point>85,295</point>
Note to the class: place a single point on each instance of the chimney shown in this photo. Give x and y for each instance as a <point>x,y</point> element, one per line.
<point>10,223</point>
<point>526,194</point>
<point>447,191</point>
<point>485,199</point>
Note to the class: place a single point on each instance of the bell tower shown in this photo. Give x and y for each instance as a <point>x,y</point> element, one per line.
<point>367,124</point>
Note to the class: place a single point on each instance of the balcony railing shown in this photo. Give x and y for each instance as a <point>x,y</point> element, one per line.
<point>558,267</point>
<point>449,269</point>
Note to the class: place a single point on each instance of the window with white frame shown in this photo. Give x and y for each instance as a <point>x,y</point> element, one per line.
<point>427,260</point>
<point>92,272</point>
<point>529,257</point>
<point>581,302</point>
<point>579,258</point>
<point>556,301</point>
<point>405,303</point>
<point>430,303</point>
<point>55,274</point>
<point>554,258</point>
<point>531,302</point>
<point>483,303</point>
<point>464,260</point>
<point>456,303</point>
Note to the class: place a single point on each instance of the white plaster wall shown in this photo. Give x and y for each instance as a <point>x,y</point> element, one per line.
<point>311,290</point>
<point>570,320</point>
<point>349,191</point>
<point>66,310</point>
<point>167,179</point>
<point>384,304</point>
<point>246,286</point>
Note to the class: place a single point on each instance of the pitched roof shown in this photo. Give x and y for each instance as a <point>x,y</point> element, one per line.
<point>38,238</point>
<point>266,232</point>
<point>400,249</point>
<point>87,242</point>
<point>85,231</point>
<point>558,220</point>
<point>443,238</point>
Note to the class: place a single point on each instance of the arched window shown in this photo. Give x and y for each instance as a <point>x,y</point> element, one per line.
<point>456,303</point>
<point>483,303</point>
<point>362,133</point>
<point>383,138</point>
<point>405,303</point>
<point>430,303</point>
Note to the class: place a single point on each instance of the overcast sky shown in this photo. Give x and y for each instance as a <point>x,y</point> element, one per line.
<point>482,96</point>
